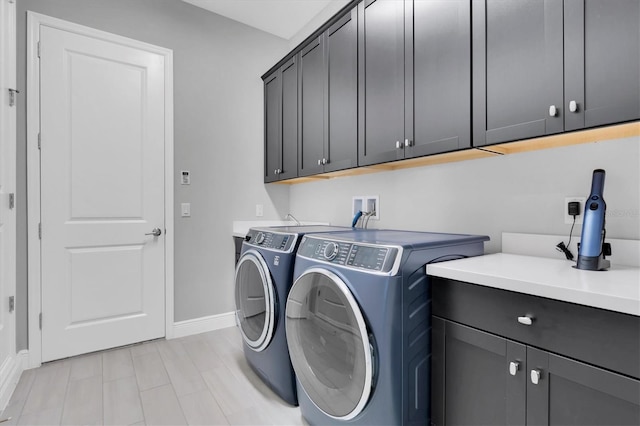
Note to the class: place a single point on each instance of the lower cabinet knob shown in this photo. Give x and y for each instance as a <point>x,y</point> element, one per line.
<point>514,366</point>
<point>553,111</point>
<point>525,320</point>
<point>407,142</point>
<point>536,375</point>
<point>319,162</point>
<point>324,161</point>
<point>398,145</point>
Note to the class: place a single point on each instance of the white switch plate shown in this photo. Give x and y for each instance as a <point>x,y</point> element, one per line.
<point>259,210</point>
<point>185,177</point>
<point>186,209</point>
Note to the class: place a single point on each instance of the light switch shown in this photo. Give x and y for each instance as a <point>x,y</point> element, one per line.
<point>186,209</point>
<point>185,177</point>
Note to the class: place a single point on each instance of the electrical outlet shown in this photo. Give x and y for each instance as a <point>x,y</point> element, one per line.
<point>568,219</point>
<point>259,210</point>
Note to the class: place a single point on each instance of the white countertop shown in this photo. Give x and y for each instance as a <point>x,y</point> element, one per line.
<point>617,289</point>
<point>241,227</point>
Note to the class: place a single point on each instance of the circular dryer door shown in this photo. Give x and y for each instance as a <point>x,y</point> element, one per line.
<point>329,344</point>
<point>255,302</point>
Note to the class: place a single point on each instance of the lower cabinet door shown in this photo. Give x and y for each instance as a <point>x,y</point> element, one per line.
<point>472,380</point>
<point>569,392</point>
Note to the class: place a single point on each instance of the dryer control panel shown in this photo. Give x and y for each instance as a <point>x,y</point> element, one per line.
<point>370,257</point>
<point>271,240</point>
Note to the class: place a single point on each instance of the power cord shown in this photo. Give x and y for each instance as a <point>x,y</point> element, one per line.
<point>574,210</point>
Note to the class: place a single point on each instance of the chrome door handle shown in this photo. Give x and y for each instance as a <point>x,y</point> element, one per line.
<point>156,232</point>
<point>514,366</point>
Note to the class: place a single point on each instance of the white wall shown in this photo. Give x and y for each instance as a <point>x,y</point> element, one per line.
<point>325,14</point>
<point>514,193</point>
<point>218,135</point>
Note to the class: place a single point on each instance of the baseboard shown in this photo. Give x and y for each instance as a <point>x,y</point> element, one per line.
<point>9,376</point>
<point>203,324</point>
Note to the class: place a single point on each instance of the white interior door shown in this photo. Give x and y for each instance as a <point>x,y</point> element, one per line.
<point>102,193</point>
<point>7,188</point>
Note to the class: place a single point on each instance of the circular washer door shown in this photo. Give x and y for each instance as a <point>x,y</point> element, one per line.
<point>255,302</point>
<point>329,344</point>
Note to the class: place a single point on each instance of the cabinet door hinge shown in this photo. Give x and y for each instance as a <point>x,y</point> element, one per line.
<point>12,201</point>
<point>12,303</point>
<point>39,140</point>
<point>40,231</point>
<point>40,320</point>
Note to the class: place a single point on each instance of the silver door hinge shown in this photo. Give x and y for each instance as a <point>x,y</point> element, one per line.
<point>40,231</point>
<point>38,49</point>
<point>12,303</point>
<point>40,320</point>
<point>39,140</point>
<point>12,201</point>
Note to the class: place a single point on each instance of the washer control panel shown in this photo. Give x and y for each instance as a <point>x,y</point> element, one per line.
<point>270,240</point>
<point>370,257</point>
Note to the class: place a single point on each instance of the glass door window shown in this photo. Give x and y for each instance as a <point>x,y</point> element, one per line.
<point>255,303</point>
<point>329,344</point>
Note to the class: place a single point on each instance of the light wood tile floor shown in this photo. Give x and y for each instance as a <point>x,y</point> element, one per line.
<point>196,380</point>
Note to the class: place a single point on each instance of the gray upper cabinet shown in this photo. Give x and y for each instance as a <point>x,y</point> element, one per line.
<point>438,76</point>
<point>517,69</point>
<point>546,66</point>
<point>281,123</point>
<point>328,100</point>
<point>415,78</point>
<point>602,62</point>
<point>381,81</point>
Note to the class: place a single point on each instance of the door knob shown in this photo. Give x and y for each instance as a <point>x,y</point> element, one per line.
<point>525,320</point>
<point>514,366</point>
<point>553,111</point>
<point>573,106</point>
<point>156,232</point>
<point>536,375</point>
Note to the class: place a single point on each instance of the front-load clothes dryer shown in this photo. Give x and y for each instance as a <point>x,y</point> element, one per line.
<point>263,276</point>
<point>358,324</point>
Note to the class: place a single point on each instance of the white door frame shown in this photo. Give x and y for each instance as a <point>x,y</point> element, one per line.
<point>34,21</point>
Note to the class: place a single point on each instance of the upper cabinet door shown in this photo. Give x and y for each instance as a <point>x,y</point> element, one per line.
<point>602,62</point>
<point>517,68</point>
<point>311,103</point>
<point>289,122</point>
<point>439,91</point>
<point>381,81</point>
<point>341,148</point>
<point>272,126</point>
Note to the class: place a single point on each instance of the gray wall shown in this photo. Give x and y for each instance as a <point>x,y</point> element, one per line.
<point>218,135</point>
<point>512,193</point>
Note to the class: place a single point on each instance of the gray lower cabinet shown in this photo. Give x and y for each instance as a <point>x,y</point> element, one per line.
<point>281,123</point>
<point>546,66</point>
<point>328,90</point>
<point>488,368</point>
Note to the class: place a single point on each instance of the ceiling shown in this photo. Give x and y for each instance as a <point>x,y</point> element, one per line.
<point>283,18</point>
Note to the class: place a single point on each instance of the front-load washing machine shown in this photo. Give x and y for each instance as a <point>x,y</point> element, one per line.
<point>358,324</point>
<point>263,276</point>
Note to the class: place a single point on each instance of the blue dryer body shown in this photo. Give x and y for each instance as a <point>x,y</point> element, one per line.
<point>387,281</point>
<point>265,270</point>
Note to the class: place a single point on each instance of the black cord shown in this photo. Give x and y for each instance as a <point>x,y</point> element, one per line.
<point>565,249</point>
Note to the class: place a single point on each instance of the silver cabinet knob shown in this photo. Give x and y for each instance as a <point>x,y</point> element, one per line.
<point>553,111</point>
<point>398,145</point>
<point>407,142</point>
<point>514,366</point>
<point>156,232</point>
<point>536,375</point>
<point>319,162</point>
<point>573,106</point>
<point>525,320</point>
